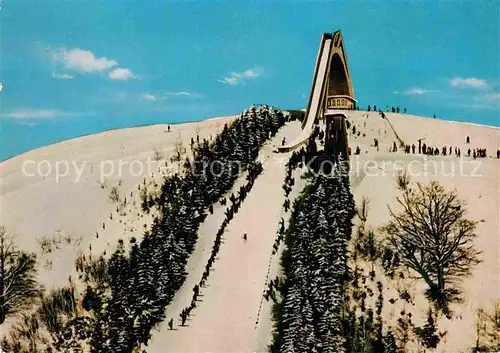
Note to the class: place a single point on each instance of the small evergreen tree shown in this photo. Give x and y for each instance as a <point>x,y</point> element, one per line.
<point>430,339</point>
<point>390,343</point>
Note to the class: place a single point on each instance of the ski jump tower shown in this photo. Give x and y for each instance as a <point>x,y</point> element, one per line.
<point>331,94</point>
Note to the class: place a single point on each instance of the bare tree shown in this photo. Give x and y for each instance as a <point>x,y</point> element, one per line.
<point>198,129</point>
<point>17,277</point>
<point>25,336</point>
<point>56,308</point>
<point>179,149</point>
<point>494,331</point>
<point>433,238</point>
<point>402,180</point>
<point>157,154</point>
<point>488,329</point>
<point>362,210</point>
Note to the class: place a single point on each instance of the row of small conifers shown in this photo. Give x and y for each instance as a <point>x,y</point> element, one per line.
<point>142,281</point>
<point>254,170</point>
<point>313,312</point>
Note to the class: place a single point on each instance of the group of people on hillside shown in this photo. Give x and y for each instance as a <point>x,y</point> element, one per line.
<point>269,293</point>
<point>444,151</point>
<point>430,151</point>
<point>187,311</point>
<point>387,109</point>
<point>478,153</point>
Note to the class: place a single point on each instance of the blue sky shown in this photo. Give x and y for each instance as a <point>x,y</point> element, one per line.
<point>74,68</point>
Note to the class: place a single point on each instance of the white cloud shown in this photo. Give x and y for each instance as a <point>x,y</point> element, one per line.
<point>1,86</point>
<point>168,95</point>
<point>237,77</point>
<point>62,77</point>
<point>493,96</point>
<point>415,91</point>
<point>121,74</point>
<point>180,94</point>
<point>148,97</point>
<point>187,94</point>
<point>25,113</point>
<point>470,82</point>
<point>25,123</point>
<point>232,80</point>
<point>481,105</point>
<point>83,60</point>
<point>478,101</point>
<point>250,73</point>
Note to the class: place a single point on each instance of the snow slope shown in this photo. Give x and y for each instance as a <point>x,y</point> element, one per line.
<point>225,319</point>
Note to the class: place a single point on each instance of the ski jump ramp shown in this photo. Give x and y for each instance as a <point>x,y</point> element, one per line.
<point>331,87</point>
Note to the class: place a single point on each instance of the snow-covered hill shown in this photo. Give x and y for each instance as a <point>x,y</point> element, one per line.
<point>74,210</point>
